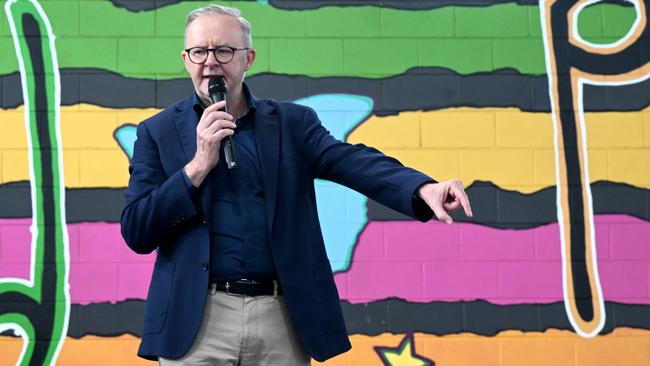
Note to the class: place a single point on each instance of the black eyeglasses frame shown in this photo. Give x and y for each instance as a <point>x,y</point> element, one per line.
<point>214,53</point>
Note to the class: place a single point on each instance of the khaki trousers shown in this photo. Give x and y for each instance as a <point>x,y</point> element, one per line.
<point>240,330</point>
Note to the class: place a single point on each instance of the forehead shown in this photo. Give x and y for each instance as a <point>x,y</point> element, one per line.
<point>211,30</point>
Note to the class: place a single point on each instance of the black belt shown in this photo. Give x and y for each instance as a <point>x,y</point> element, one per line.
<point>247,287</point>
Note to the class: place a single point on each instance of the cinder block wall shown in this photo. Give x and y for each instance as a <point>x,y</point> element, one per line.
<point>482,93</point>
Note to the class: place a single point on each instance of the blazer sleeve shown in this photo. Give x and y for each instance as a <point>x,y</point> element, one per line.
<point>364,169</point>
<point>157,205</point>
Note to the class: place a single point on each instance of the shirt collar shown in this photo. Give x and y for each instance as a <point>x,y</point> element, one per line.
<point>250,101</point>
<point>198,105</point>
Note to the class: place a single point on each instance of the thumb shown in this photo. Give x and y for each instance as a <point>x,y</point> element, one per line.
<point>440,212</point>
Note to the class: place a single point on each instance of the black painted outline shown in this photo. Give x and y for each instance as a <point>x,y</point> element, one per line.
<point>494,207</point>
<point>418,89</point>
<point>391,315</point>
<point>569,61</point>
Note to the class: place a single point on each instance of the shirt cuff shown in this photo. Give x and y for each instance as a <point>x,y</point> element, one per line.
<point>421,210</point>
<point>415,193</point>
<point>191,189</point>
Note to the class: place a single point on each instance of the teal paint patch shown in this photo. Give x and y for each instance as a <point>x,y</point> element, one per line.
<point>125,136</point>
<point>342,211</point>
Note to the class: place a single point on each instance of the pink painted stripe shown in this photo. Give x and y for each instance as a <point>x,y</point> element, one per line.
<point>436,262</point>
<point>409,260</point>
<point>102,267</point>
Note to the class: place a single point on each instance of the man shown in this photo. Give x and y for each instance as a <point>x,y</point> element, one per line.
<point>241,274</point>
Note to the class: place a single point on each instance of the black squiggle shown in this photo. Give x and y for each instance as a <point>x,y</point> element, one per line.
<point>41,313</point>
<point>147,5</point>
<point>389,315</point>
<point>422,88</point>
<point>493,206</point>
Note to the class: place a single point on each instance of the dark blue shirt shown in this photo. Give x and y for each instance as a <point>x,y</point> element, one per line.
<point>240,245</point>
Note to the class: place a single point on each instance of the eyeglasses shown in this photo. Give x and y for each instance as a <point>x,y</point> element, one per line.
<point>223,54</point>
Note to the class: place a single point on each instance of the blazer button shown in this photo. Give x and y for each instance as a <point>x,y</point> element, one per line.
<point>204,267</point>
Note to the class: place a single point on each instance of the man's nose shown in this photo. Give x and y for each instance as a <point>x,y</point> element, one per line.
<point>211,60</point>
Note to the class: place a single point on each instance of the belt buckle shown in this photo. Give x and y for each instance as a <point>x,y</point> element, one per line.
<point>243,281</point>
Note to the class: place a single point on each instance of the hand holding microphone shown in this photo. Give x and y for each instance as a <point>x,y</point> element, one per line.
<point>215,127</point>
<point>217,91</point>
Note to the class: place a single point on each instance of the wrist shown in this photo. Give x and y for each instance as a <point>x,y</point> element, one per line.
<point>422,189</point>
<point>195,173</point>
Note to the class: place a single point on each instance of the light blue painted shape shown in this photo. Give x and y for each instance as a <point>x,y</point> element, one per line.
<point>126,136</point>
<point>342,211</point>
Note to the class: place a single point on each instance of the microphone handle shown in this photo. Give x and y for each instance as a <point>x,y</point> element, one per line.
<point>228,144</point>
<point>229,151</point>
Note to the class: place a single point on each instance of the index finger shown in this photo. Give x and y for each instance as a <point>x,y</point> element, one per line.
<point>213,113</point>
<point>215,106</point>
<point>460,194</point>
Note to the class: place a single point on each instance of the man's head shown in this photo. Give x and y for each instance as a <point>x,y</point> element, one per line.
<point>213,27</point>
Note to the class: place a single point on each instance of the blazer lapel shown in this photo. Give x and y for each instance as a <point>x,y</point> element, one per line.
<point>186,129</point>
<point>267,134</point>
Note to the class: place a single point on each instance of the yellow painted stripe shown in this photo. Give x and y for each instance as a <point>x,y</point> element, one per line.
<point>510,148</point>
<point>624,346</point>
<point>91,156</point>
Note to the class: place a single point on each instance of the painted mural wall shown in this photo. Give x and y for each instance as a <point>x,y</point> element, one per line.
<point>540,108</point>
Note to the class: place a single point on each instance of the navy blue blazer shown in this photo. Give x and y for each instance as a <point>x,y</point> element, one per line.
<point>294,149</point>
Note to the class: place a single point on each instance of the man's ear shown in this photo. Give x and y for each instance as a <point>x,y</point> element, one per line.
<point>250,58</point>
<point>186,60</point>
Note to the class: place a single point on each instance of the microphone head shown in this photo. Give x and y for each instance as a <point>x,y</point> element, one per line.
<point>217,85</point>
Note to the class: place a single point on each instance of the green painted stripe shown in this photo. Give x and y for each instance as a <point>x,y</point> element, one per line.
<point>364,41</point>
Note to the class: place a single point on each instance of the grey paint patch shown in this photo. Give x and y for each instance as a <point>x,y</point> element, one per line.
<point>492,206</point>
<point>143,5</point>
<point>499,208</point>
<point>402,5</point>
<point>390,315</point>
<point>417,89</point>
<point>106,319</point>
<point>82,204</point>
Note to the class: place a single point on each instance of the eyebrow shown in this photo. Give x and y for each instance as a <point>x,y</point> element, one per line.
<point>217,46</point>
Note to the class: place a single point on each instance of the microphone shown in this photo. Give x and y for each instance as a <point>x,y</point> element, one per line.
<point>217,90</point>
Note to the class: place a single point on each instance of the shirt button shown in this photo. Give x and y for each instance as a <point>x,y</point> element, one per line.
<point>204,266</point>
